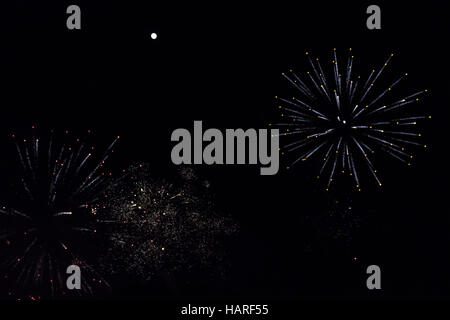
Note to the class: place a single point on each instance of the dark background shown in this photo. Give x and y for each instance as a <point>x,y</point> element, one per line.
<point>221,63</point>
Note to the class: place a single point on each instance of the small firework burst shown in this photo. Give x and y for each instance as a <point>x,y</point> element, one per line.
<point>340,221</point>
<point>48,222</point>
<point>343,120</point>
<point>160,226</point>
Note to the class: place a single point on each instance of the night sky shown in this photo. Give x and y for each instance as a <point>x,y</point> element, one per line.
<point>221,63</point>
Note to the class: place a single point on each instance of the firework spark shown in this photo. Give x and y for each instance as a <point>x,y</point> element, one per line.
<point>342,119</point>
<point>51,222</point>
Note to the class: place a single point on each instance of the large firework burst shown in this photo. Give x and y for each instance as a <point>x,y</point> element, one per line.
<point>342,119</point>
<point>160,225</point>
<point>48,223</point>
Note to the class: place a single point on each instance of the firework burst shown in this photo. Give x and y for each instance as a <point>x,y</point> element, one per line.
<point>158,226</point>
<point>343,120</point>
<point>50,221</point>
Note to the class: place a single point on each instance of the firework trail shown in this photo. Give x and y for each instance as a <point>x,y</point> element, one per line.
<point>50,221</point>
<point>343,120</point>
